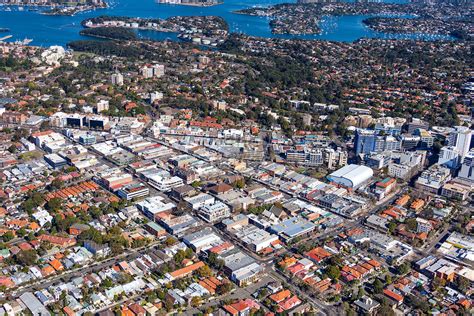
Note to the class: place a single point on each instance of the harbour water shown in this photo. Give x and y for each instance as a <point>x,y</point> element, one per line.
<point>47,30</point>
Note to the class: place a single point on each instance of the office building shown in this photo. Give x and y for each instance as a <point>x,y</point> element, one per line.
<point>432,179</point>
<point>151,207</point>
<point>133,190</point>
<point>460,138</point>
<point>214,212</point>
<point>364,141</point>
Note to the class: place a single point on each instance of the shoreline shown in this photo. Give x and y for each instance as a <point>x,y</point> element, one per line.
<point>199,5</point>
<point>52,7</point>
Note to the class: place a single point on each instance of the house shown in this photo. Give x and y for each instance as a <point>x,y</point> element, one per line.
<point>280,296</point>
<point>240,308</point>
<point>68,311</point>
<point>58,241</point>
<point>289,303</point>
<point>366,305</point>
<point>97,249</point>
<point>220,188</point>
<point>318,254</point>
<point>155,229</point>
<point>181,273</point>
<point>398,298</point>
<point>56,264</point>
<point>181,192</point>
<point>137,309</point>
<point>76,229</point>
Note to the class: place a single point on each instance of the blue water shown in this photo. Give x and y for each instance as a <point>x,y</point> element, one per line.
<point>47,30</point>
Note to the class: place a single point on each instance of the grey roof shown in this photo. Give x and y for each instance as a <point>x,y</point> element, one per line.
<point>293,227</point>
<point>33,304</point>
<point>236,260</point>
<point>366,303</point>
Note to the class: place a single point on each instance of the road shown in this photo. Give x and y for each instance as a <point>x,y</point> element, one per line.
<point>324,308</point>
<point>82,271</point>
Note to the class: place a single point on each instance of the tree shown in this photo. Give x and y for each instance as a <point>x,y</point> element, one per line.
<point>56,184</point>
<point>388,279</point>
<point>12,149</point>
<point>333,272</point>
<point>360,292</point>
<point>204,271</point>
<point>224,288</point>
<point>54,204</point>
<point>26,257</point>
<point>385,310</point>
<point>411,224</point>
<point>438,283</point>
<point>116,248</point>
<point>21,232</point>
<point>416,303</point>
<point>170,241</point>
<point>196,184</point>
<point>179,257</point>
<point>91,234</point>
<point>262,293</point>
<point>391,227</point>
<point>95,212</point>
<point>8,236</point>
<point>137,243</point>
<point>239,184</point>
<point>195,301</point>
<point>378,286</point>
<point>107,283</point>
<point>404,268</point>
<point>348,309</point>
<point>462,284</point>
<point>215,262</point>
<point>151,296</point>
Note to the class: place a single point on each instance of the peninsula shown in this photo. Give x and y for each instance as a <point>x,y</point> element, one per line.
<point>206,30</point>
<point>304,18</point>
<point>59,7</point>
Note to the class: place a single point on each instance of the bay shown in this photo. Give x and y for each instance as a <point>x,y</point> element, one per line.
<point>47,30</point>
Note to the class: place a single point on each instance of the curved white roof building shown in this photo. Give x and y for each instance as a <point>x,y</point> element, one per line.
<point>351,176</point>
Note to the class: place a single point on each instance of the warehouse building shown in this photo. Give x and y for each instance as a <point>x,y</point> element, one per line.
<point>351,176</point>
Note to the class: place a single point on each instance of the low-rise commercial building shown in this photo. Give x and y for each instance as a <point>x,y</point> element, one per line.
<point>214,212</point>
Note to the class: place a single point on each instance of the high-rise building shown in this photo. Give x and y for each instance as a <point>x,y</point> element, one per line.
<point>150,71</point>
<point>431,180</point>
<point>389,126</point>
<point>146,72</point>
<point>467,168</point>
<point>417,123</point>
<point>102,105</point>
<point>460,138</point>
<point>158,70</point>
<point>335,158</point>
<point>364,142</point>
<point>426,139</point>
<point>449,157</point>
<point>367,141</point>
<point>410,142</point>
<point>117,79</point>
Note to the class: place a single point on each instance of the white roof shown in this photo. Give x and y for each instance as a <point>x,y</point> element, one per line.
<point>355,174</point>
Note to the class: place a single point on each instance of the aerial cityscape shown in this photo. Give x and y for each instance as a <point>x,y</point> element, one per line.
<point>225,157</point>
